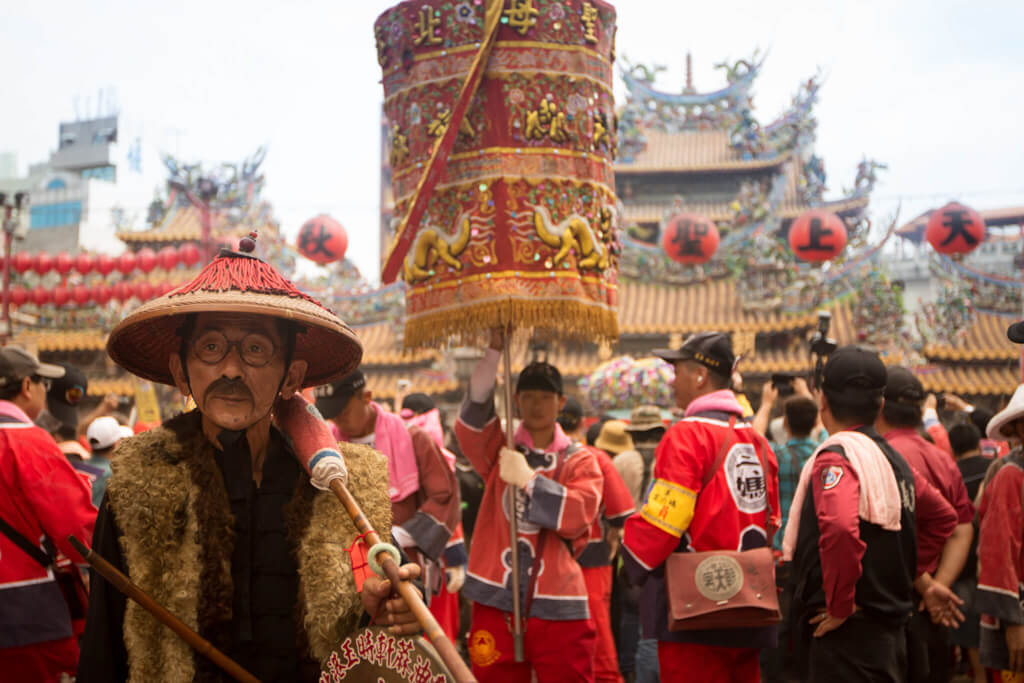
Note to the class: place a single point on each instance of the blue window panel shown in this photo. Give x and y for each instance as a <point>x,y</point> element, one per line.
<point>100,173</point>
<point>56,184</point>
<point>53,215</point>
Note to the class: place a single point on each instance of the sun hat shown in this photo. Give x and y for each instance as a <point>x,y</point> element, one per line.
<point>239,283</point>
<point>614,438</point>
<point>1011,413</point>
<point>645,418</point>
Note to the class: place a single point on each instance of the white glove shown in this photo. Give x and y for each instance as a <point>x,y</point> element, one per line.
<point>513,468</point>
<point>454,578</point>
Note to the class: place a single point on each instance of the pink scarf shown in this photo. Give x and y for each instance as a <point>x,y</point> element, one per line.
<point>8,409</point>
<point>557,445</point>
<point>430,422</point>
<point>879,501</point>
<point>723,400</point>
<point>392,439</point>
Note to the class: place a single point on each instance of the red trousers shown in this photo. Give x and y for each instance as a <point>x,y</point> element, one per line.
<point>445,608</point>
<point>599,596</point>
<point>557,651</point>
<point>41,662</point>
<point>677,661</point>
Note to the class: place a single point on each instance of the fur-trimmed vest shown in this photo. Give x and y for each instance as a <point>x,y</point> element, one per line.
<point>169,500</point>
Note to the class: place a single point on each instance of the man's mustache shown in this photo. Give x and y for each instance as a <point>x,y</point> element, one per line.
<point>228,388</point>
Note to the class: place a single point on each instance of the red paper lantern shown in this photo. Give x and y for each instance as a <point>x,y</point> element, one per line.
<point>322,240</point>
<point>123,291</point>
<point>690,238</point>
<point>167,257</point>
<point>189,254</point>
<point>22,261</point>
<point>144,291</point>
<point>145,259</point>
<point>42,263</point>
<point>63,263</point>
<point>84,263</point>
<point>81,294</point>
<point>126,262</point>
<point>19,295</point>
<point>955,229</point>
<point>105,264</point>
<point>101,294</point>
<point>817,236</point>
<point>40,295</point>
<point>60,295</point>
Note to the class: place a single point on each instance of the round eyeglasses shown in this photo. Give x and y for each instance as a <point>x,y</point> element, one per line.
<point>255,349</point>
<point>45,381</point>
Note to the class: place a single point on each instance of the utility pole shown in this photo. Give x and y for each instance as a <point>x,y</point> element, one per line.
<point>12,218</point>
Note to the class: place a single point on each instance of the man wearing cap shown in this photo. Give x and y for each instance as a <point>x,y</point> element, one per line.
<point>424,493</point>
<point>693,506</point>
<point>852,540</point>
<point>42,500</point>
<point>103,434</point>
<point>212,513</point>
<point>559,490</point>
<point>1000,597</point>
<point>899,422</point>
<point>637,656</point>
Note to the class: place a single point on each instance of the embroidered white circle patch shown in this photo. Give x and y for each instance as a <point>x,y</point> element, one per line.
<point>719,577</point>
<point>746,478</point>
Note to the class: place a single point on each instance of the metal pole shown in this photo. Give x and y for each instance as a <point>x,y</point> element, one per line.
<point>8,240</point>
<point>204,221</point>
<point>513,521</point>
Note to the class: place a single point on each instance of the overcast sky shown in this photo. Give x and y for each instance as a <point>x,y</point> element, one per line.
<point>932,88</point>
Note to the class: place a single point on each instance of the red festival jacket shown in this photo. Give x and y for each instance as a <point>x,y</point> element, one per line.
<point>563,509</point>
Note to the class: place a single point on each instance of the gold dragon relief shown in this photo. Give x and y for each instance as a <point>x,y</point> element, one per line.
<point>572,235</point>
<point>433,245</point>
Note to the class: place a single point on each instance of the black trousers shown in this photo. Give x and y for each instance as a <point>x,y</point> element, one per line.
<point>929,652</point>
<point>862,650</point>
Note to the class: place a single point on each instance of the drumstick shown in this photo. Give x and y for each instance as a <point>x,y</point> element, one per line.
<point>195,641</point>
<point>316,449</point>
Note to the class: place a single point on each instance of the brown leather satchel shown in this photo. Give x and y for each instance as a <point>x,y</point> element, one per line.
<point>719,589</point>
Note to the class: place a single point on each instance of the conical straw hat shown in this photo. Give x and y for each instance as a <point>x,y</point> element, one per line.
<point>235,283</point>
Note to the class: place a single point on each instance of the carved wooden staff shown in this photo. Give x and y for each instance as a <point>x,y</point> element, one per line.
<point>196,641</point>
<point>316,449</point>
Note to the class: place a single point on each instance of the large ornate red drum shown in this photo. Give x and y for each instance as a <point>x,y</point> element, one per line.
<point>522,226</point>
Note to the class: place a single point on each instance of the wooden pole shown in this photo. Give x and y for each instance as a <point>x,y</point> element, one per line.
<point>513,517</point>
<point>431,629</point>
<point>196,641</point>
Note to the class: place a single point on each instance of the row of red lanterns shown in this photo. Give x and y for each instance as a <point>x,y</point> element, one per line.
<point>82,295</point>
<point>818,236</point>
<point>144,259</point>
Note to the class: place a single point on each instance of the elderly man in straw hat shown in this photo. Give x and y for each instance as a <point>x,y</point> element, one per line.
<point>211,513</point>
<point>1000,599</point>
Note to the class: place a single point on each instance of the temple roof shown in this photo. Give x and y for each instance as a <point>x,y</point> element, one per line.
<point>983,340</point>
<point>695,151</point>
<point>994,218</point>
<point>184,224</point>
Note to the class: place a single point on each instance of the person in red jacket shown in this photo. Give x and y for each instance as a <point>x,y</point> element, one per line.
<point>42,501</point>
<point>691,507</point>
<point>559,487</point>
<point>425,504</point>
<point>603,547</point>
<point>929,651</point>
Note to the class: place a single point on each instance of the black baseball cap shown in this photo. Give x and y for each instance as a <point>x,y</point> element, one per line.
<point>1015,332</point>
<point>331,399</point>
<point>903,386</point>
<point>65,393</point>
<point>540,376</point>
<point>713,350</point>
<point>854,369</point>
<point>418,403</point>
<point>16,364</point>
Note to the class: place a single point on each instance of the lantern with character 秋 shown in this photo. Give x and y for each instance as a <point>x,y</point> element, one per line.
<point>519,224</point>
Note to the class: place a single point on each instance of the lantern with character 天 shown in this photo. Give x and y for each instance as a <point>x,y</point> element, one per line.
<point>955,229</point>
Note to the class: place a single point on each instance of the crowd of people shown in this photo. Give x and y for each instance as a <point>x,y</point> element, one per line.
<point>839,532</point>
